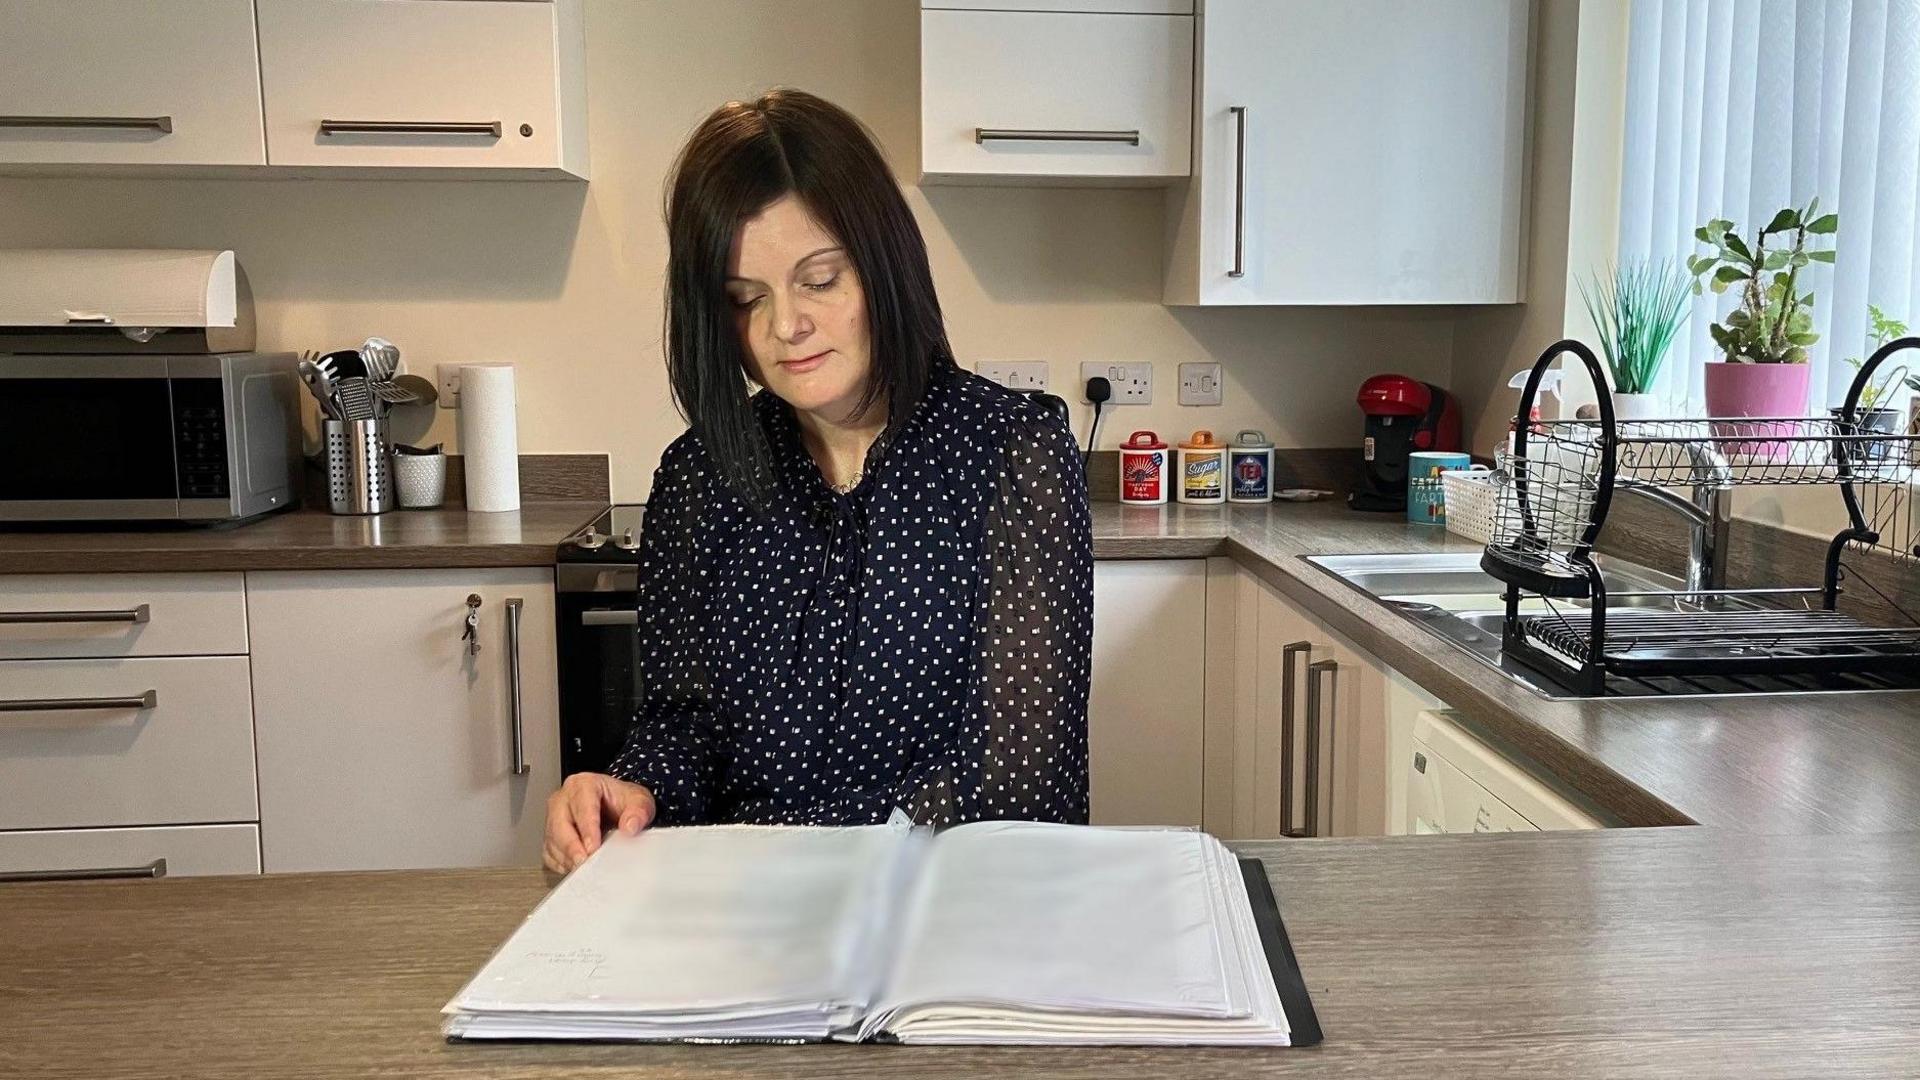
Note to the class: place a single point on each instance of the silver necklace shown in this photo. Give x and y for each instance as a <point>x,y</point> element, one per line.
<point>847,488</point>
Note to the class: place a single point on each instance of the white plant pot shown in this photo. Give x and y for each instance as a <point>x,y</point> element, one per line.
<point>1635,406</point>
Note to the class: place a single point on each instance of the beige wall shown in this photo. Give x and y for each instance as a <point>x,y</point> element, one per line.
<point>563,279</point>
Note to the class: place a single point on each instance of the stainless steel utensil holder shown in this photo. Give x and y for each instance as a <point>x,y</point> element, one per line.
<point>359,466</point>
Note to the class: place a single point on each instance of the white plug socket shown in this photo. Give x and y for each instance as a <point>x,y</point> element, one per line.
<point>1132,381</point>
<point>446,378</point>
<point>1015,374</point>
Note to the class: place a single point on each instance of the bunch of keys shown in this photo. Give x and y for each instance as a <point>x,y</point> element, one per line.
<point>471,635</point>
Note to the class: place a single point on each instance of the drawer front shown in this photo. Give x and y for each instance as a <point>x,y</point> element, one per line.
<point>413,63</point>
<point>108,854</point>
<point>94,743</point>
<point>1023,71</point>
<point>64,616</point>
<point>129,82</point>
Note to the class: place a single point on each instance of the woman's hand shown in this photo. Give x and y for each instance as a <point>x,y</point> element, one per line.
<point>585,807</point>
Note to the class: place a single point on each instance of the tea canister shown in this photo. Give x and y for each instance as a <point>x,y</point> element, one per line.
<point>1143,469</point>
<point>1250,468</point>
<point>1202,469</point>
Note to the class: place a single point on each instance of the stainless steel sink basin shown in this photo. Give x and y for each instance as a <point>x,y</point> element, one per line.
<point>1450,595</point>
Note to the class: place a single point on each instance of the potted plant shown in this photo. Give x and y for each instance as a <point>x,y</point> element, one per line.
<point>1765,338</point>
<point>1636,310</point>
<point>1871,416</point>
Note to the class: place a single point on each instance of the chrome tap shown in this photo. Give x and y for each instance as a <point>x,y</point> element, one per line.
<point>1708,511</point>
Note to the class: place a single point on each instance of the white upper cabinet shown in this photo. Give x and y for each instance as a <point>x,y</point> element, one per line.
<point>1360,152</point>
<point>1096,92</point>
<point>472,85</point>
<point>129,82</point>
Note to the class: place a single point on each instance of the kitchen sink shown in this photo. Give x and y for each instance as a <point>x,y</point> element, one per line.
<point>1449,595</point>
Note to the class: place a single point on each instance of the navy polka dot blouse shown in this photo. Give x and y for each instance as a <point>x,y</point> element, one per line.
<point>922,642</point>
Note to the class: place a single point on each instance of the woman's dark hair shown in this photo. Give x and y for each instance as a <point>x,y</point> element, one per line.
<point>742,157</point>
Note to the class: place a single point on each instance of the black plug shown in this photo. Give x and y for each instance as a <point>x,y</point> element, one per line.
<point>1099,391</point>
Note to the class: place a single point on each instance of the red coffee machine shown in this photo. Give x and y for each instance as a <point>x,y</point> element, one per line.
<point>1403,415</point>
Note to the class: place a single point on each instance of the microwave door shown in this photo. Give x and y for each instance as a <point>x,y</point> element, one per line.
<point>85,446</point>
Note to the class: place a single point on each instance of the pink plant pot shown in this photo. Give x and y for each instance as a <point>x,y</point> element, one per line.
<point>1763,390</point>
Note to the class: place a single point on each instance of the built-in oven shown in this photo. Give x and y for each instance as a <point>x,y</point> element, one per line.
<point>596,583</point>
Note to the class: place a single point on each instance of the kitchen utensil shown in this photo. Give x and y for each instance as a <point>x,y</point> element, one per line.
<point>406,390</point>
<point>381,357</point>
<point>355,396</point>
<point>346,364</point>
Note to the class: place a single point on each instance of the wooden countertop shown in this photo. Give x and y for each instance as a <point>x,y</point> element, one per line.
<point>1845,762</point>
<point>310,540</point>
<point>1668,952</point>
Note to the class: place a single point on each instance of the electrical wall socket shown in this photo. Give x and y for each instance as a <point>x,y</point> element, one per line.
<point>1132,382</point>
<point>1200,383</point>
<point>1015,374</point>
<point>446,379</point>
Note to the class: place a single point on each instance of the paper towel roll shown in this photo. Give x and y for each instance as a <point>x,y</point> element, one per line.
<point>489,437</point>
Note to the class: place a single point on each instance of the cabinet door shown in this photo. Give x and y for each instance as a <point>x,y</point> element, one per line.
<point>1146,715</point>
<point>1054,94</point>
<point>1364,152</point>
<point>384,742</point>
<point>475,85</point>
<point>129,82</point>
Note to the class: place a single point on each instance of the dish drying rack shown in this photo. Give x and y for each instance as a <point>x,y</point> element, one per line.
<point>1561,479</point>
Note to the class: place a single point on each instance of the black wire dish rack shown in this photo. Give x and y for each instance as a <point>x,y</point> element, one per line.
<point>1561,480</point>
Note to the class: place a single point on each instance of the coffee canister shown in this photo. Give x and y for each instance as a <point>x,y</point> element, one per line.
<point>1143,469</point>
<point>1202,468</point>
<point>1250,468</point>
<point>1426,496</point>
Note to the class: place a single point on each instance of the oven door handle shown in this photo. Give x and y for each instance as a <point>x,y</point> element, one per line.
<point>610,617</point>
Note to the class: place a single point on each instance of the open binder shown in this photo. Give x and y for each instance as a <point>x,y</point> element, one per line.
<point>989,933</point>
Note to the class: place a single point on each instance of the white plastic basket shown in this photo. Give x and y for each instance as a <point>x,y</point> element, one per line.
<point>1473,503</point>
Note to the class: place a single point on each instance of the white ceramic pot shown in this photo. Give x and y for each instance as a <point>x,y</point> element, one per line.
<point>1635,406</point>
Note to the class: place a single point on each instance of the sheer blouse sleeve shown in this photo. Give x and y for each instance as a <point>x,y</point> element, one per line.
<point>674,740</point>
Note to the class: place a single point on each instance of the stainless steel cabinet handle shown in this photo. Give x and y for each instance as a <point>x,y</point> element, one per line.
<point>161,124</point>
<point>981,135</point>
<point>410,127</point>
<point>74,704</point>
<point>610,618</point>
<point>1314,671</point>
<point>155,869</point>
<point>1239,191</point>
<point>136,614</point>
<point>514,606</point>
<point>1298,648</point>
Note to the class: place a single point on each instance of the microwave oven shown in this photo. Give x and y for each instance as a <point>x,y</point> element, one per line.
<point>201,439</point>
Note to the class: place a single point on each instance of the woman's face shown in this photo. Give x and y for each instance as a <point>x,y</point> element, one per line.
<point>801,311</point>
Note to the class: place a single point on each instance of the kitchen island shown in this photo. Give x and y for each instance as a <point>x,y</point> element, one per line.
<point>1652,952</point>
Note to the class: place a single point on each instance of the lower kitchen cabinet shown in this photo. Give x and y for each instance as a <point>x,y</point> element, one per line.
<point>1145,729</point>
<point>384,741</point>
<point>1305,714</point>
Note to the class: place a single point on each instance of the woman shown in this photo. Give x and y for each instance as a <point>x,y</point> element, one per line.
<point>869,585</point>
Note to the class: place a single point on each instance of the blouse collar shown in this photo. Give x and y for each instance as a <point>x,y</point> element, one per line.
<point>795,468</point>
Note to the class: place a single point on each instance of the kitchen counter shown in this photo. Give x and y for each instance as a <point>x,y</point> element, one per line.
<point>310,540</point>
<point>1667,952</point>
<point>1817,763</point>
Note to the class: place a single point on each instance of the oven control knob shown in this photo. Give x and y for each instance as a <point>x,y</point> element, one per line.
<point>592,540</point>
<point>627,542</point>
